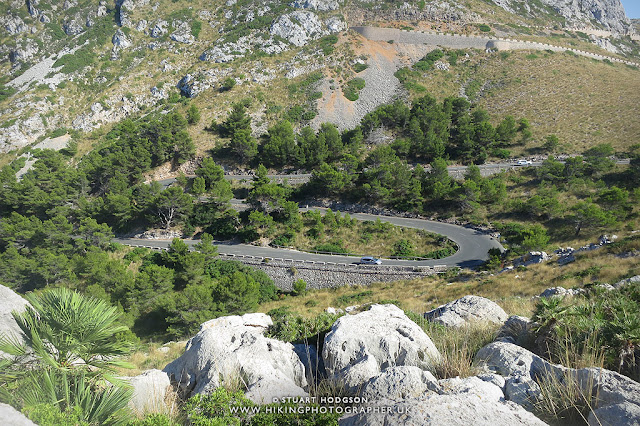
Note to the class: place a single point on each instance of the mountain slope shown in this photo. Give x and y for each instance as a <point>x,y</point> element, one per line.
<point>80,65</point>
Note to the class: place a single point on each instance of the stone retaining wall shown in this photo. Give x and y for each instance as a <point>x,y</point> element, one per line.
<point>463,41</point>
<point>319,275</point>
<point>284,272</point>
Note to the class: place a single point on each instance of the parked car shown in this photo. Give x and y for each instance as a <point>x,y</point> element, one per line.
<point>523,162</point>
<point>370,260</point>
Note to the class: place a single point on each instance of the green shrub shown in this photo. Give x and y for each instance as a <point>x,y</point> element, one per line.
<point>6,92</point>
<point>327,43</point>
<point>196,27</point>
<point>70,63</point>
<point>426,63</point>
<point>290,327</point>
<point>227,84</point>
<point>350,299</point>
<point>309,115</point>
<point>359,67</point>
<point>604,324</point>
<point>352,89</point>
<point>336,246</point>
<point>300,287</point>
<point>403,248</point>
<point>50,415</point>
<point>484,28</point>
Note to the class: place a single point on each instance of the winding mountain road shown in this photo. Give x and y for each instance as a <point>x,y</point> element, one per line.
<point>473,245</point>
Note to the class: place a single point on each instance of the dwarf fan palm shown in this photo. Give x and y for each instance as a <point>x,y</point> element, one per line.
<point>67,349</point>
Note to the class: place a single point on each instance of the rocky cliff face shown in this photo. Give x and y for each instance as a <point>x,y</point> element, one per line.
<point>606,13</point>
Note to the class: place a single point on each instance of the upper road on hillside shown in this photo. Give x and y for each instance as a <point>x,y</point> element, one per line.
<point>454,170</point>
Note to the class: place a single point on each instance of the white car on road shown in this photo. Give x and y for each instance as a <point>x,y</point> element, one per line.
<point>523,163</point>
<point>370,260</point>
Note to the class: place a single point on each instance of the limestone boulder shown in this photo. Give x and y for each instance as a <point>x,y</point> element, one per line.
<point>11,416</point>
<point>9,302</point>
<point>623,414</point>
<point>467,309</point>
<point>508,359</point>
<point>232,350</point>
<point>612,388</point>
<point>120,40</point>
<point>627,281</point>
<point>400,383</point>
<point>361,346</point>
<point>524,371</point>
<point>471,385</point>
<point>446,410</point>
<point>150,391</point>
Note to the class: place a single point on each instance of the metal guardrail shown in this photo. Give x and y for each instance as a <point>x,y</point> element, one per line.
<point>369,268</point>
<point>332,253</point>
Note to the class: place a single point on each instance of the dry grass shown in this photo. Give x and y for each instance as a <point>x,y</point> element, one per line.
<point>582,101</point>
<point>458,346</point>
<point>153,356</point>
<point>563,399</point>
<point>361,239</point>
<point>418,295</point>
<point>511,290</point>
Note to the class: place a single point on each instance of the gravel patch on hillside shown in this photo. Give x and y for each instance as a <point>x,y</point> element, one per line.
<point>39,72</point>
<point>381,87</point>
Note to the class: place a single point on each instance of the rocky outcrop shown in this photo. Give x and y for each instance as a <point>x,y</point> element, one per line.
<point>149,392</point>
<point>323,5</point>
<point>9,302</point>
<point>608,13</point>
<point>159,29</point>
<point>524,370</point>
<point>120,40</point>
<point>227,52</point>
<point>627,281</point>
<point>13,417</point>
<point>361,346</point>
<point>73,27</point>
<point>446,410</point>
<point>234,350</point>
<point>298,27</point>
<point>124,9</point>
<point>23,53</point>
<point>467,309</point>
<point>531,258</point>
<point>14,25</point>
<point>183,36</point>
<point>561,292</point>
<point>399,383</point>
<point>190,87</point>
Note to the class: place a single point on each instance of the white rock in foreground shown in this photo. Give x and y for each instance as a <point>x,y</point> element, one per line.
<point>232,349</point>
<point>10,301</point>
<point>149,392</point>
<point>467,309</point>
<point>618,395</point>
<point>462,409</point>
<point>399,383</point>
<point>359,347</point>
<point>11,416</point>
